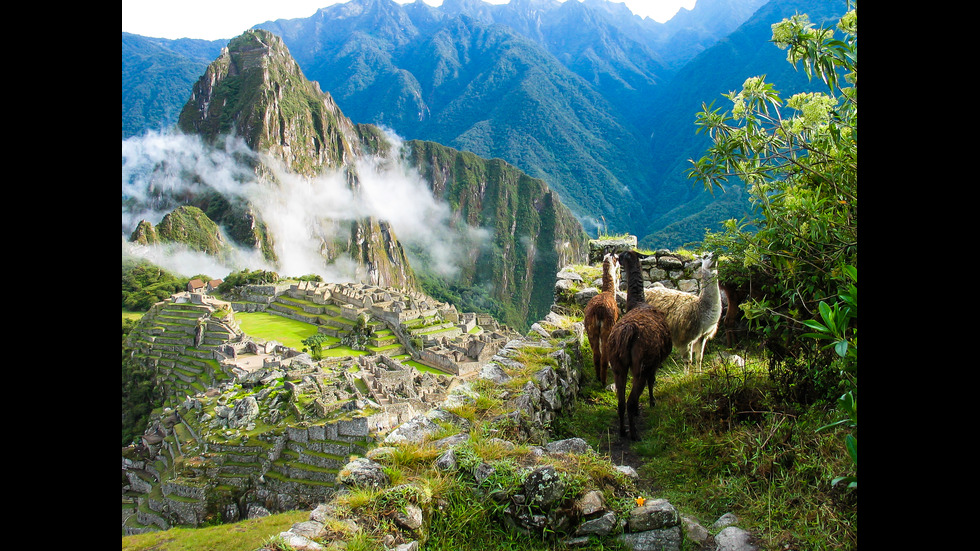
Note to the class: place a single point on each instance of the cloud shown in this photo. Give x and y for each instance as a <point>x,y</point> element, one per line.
<point>161,170</point>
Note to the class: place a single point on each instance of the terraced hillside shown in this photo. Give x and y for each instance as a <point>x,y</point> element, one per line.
<point>251,425</point>
<point>181,338</point>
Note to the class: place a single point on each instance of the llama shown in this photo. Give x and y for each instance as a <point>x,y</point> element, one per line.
<point>732,318</point>
<point>731,314</point>
<point>637,345</point>
<point>693,319</point>
<point>601,314</point>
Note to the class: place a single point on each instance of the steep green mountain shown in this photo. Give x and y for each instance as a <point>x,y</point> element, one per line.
<point>157,75</point>
<point>255,91</point>
<point>475,86</point>
<point>530,233</point>
<point>187,225</point>
<point>505,236</point>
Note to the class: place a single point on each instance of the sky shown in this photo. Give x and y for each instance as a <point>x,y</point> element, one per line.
<point>221,19</point>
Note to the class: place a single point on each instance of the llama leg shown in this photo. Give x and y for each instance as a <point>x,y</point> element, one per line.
<point>633,403</point>
<point>650,380</point>
<point>597,360</point>
<point>619,375</point>
<point>704,343</point>
<point>596,344</point>
<point>604,354</point>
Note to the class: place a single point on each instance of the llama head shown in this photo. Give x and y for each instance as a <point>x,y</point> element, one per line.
<point>708,267</point>
<point>629,262</point>
<point>610,265</point>
<point>706,262</point>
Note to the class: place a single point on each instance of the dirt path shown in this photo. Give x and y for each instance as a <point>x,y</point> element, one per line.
<point>620,451</point>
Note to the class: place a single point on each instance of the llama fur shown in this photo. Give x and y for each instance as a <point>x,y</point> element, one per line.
<point>637,345</point>
<point>601,314</point>
<point>693,319</point>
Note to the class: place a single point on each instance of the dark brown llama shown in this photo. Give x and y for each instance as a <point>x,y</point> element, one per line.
<point>601,314</point>
<point>637,345</point>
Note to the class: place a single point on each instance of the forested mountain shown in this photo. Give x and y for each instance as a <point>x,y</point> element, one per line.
<point>157,75</point>
<point>676,209</point>
<point>300,187</point>
<point>597,102</point>
<point>473,86</point>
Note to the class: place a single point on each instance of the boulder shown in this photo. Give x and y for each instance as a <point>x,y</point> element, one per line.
<point>298,542</point>
<point>668,539</point>
<point>734,538</point>
<point>410,517</point>
<point>590,504</point>
<point>246,410</point>
<point>494,373</point>
<point>414,430</point>
<point>363,473</point>
<point>311,529</point>
<point>568,445</point>
<point>543,487</point>
<point>601,526</point>
<point>653,515</point>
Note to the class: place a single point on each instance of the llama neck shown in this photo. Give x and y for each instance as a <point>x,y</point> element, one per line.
<point>710,301</point>
<point>608,280</point>
<point>634,287</point>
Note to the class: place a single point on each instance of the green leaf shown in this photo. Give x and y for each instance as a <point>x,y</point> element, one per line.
<point>852,447</point>
<point>834,424</point>
<point>851,481</point>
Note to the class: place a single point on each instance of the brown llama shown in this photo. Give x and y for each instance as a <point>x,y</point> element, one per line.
<point>637,345</point>
<point>601,314</point>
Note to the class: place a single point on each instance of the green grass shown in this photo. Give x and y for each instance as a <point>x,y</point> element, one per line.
<point>130,315</point>
<point>718,441</point>
<point>265,326</point>
<point>246,535</point>
<point>423,368</point>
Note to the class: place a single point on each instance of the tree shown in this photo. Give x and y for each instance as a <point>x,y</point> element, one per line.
<point>144,284</point>
<point>315,345</point>
<point>800,169</point>
<point>799,165</point>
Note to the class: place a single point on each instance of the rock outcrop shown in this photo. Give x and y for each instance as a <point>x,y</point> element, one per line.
<point>256,91</point>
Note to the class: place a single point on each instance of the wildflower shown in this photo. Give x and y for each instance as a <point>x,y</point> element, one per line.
<point>640,501</point>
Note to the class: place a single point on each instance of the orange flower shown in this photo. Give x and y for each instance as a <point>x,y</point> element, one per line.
<point>639,501</point>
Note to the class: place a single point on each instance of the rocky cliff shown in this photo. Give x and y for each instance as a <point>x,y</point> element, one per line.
<point>531,234</point>
<point>508,233</point>
<point>255,91</point>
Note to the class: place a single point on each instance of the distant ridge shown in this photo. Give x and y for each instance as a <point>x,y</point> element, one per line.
<point>595,101</point>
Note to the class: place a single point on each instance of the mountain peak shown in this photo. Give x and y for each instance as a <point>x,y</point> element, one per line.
<point>256,90</point>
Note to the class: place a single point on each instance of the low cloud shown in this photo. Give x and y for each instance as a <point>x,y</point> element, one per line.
<point>160,170</point>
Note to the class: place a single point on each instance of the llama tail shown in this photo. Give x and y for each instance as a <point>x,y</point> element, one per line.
<point>622,342</point>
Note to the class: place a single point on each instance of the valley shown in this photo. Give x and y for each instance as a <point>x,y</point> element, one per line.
<point>398,346</point>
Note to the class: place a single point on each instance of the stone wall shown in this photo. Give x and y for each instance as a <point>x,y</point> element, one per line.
<point>674,270</point>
